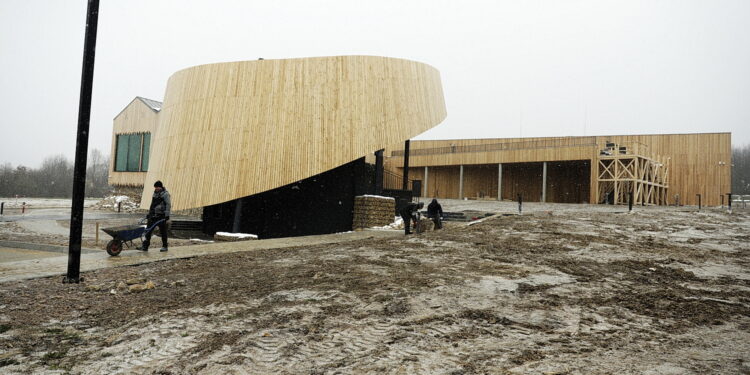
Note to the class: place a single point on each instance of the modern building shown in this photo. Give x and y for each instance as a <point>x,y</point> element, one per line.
<point>131,143</point>
<point>278,147</point>
<point>274,147</point>
<point>658,169</point>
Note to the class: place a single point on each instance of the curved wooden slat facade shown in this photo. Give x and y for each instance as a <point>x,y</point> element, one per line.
<point>231,130</point>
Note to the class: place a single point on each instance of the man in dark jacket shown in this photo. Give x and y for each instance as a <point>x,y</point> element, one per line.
<point>409,213</point>
<point>435,212</point>
<point>161,204</point>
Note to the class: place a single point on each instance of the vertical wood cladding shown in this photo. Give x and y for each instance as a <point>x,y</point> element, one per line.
<point>698,164</point>
<point>137,117</point>
<point>480,181</point>
<point>524,179</point>
<point>232,130</point>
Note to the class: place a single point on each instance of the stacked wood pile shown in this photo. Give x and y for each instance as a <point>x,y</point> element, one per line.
<point>373,211</point>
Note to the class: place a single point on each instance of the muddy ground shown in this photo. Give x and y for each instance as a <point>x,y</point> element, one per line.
<point>658,291</point>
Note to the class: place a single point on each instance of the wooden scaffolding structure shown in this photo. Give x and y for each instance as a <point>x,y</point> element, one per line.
<point>626,168</point>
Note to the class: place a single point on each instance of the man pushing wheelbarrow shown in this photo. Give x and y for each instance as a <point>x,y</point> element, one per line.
<point>158,216</point>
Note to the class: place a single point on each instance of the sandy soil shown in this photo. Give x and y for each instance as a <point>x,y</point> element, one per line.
<point>563,291</point>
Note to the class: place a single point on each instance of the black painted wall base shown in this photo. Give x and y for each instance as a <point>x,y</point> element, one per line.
<point>317,205</point>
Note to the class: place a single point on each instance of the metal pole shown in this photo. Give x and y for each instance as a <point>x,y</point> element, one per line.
<point>237,216</point>
<point>379,171</point>
<point>729,201</point>
<point>544,182</point>
<point>82,144</point>
<point>699,201</point>
<point>630,200</point>
<point>520,203</point>
<point>2,207</point>
<point>722,200</point>
<point>406,166</point>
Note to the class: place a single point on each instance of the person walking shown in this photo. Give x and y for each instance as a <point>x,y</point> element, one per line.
<point>161,206</point>
<point>409,213</point>
<point>435,212</point>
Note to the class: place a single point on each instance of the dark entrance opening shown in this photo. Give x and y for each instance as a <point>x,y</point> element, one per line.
<point>320,204</point>
<point>568,181</point>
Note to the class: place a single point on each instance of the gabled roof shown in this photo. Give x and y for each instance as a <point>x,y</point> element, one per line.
<point>153,104</point>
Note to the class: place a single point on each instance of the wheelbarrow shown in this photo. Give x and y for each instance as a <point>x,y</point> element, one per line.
<point>126,234</point>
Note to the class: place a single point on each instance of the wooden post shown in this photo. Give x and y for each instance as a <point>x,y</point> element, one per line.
<point>97,233</point>
<point>500,181</point>
<point>595,174</point>
<point>544,182</point>
<point>461,182</point>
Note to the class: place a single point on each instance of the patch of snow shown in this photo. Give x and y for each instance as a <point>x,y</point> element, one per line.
<point>397,223</point>
<point>237,235</point>
<point>379,196</point>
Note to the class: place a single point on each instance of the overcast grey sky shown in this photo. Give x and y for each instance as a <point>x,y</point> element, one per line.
<point>509,68</point>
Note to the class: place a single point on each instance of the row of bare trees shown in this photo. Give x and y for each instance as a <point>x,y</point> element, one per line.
<point>54,178</point>
<point>741,170</point>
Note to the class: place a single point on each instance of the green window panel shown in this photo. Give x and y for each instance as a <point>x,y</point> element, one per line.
<point>146,151</point>
<point>134,152</point>
<point>121,153</point>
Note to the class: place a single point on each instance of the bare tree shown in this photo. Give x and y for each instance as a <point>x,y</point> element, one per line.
<point>741,170</point>
<point>54,178</point>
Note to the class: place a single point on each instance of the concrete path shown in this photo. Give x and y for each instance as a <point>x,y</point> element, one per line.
<point>8,254</point>
<point>57,265</point>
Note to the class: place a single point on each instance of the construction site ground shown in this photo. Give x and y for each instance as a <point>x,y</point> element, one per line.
<point>559,289</point>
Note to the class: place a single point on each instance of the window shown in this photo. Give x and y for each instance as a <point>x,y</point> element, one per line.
<point>132,153</point>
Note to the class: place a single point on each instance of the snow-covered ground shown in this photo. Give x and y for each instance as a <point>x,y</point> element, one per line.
<point>12,202</point>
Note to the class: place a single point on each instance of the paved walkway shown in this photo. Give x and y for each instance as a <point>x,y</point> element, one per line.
<point>57,265</point>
